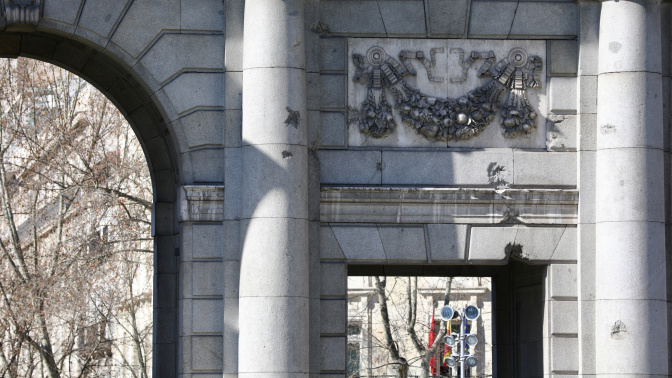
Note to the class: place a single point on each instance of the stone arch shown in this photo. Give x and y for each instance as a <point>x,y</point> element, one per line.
<point>146,116</point>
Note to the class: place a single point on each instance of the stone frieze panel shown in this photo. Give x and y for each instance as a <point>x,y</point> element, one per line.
<point>438,93</point>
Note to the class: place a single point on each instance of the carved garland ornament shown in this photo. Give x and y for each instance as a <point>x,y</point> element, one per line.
<point>447,119</point>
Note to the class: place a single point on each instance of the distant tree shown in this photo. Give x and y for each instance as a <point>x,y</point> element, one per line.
<point>422,349</point>
<point>75,245</point>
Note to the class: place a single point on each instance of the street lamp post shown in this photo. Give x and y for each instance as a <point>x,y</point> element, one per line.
<point>468,313</point>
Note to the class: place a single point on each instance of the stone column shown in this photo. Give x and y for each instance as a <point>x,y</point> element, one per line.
<point>630,293</point>
<point>274,273</point>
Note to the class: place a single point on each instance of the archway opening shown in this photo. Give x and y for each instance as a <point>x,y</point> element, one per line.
<point>145,113</point>
<point>77,250</point>
<point>510,326</point>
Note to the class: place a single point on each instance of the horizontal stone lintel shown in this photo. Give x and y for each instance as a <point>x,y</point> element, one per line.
<point>448,205</point>
<point>202,203</point>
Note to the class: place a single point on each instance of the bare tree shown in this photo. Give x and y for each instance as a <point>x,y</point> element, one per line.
<point>75,250</point>
<point>425,351</point>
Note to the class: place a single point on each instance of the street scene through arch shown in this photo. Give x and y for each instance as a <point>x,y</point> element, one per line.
<point>411,326</point>
<point>77,253</point>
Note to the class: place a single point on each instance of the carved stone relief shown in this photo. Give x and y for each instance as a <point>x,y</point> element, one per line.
<point>20,13</point>
<point>394,92</point>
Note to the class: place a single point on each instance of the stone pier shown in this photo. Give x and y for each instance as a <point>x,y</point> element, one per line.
<point>274,272</point>
<point>630,293</point>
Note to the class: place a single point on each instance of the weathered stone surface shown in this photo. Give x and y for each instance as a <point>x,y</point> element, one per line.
<point>207,278</point>
<point>231,240</point>
<point>447,18</point>
<point>561,133</point>
<point>143,22</point>
<point>587,94</point>
<point>332,91</point>
<point>625,241</point>
<point>202,203</point>
<point>270,189</point>
<point>285,48</point>
<point>492,18</point>
<point>589,30</point>
<point>360,243</point>
<point>334,279</point>
<point>563,281</point>
<point>352,17</point>
<point>564,317</point>
<point>278,254</point>
<point>544,168</point>
<point>623,330</point>
<point>488,244</point>
<point>565,354</point>
<point>626,37</point>
<point>231,279</point>
<point>329,247</point>
<point>266,117</point>
<point>403,243</point>
<point>352,167</point>
<point>332,129</point>
<point>233,194</point>
<point>204,128</point>
<point>172,54</point>
<point>333,316</point>
<point>288,317</point>
<point>206,315</point>
<point>192,91</point>
<point>206,353</point>
<point>563,57</point>
<point>100,16</point>
<point>333,54</point>
<point>544,244</point>
<point>403,18</point>
<point>447,205</point>
<point>625,200</point>
<point>628,101</point>
<point>518,19</point>
<point>200,172</point>
<point>467,168</point>
<point>206,15</point>
<point>333,353</point>
<point>63,13</point>
<point>207,241</point>
<point>447,242</point>
<point>562,94</point>
<point>230,335</point>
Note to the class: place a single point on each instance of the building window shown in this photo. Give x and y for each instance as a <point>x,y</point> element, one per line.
<point>353,350</point>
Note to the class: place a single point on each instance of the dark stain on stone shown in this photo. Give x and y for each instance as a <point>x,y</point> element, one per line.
<point>108,17</point>
<point>286,154</point>
<point>615,47</point>
<point>619,330</point>
<point>496,176</point>
<point>293,118</point>
<point>608,128</point>
<point>515,251</point>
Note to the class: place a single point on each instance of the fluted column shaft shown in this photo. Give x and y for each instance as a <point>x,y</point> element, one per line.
<point>274,275</point>
<point>630,288</point>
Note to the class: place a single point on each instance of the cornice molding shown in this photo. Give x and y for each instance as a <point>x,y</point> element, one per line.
<point>448,205</point>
